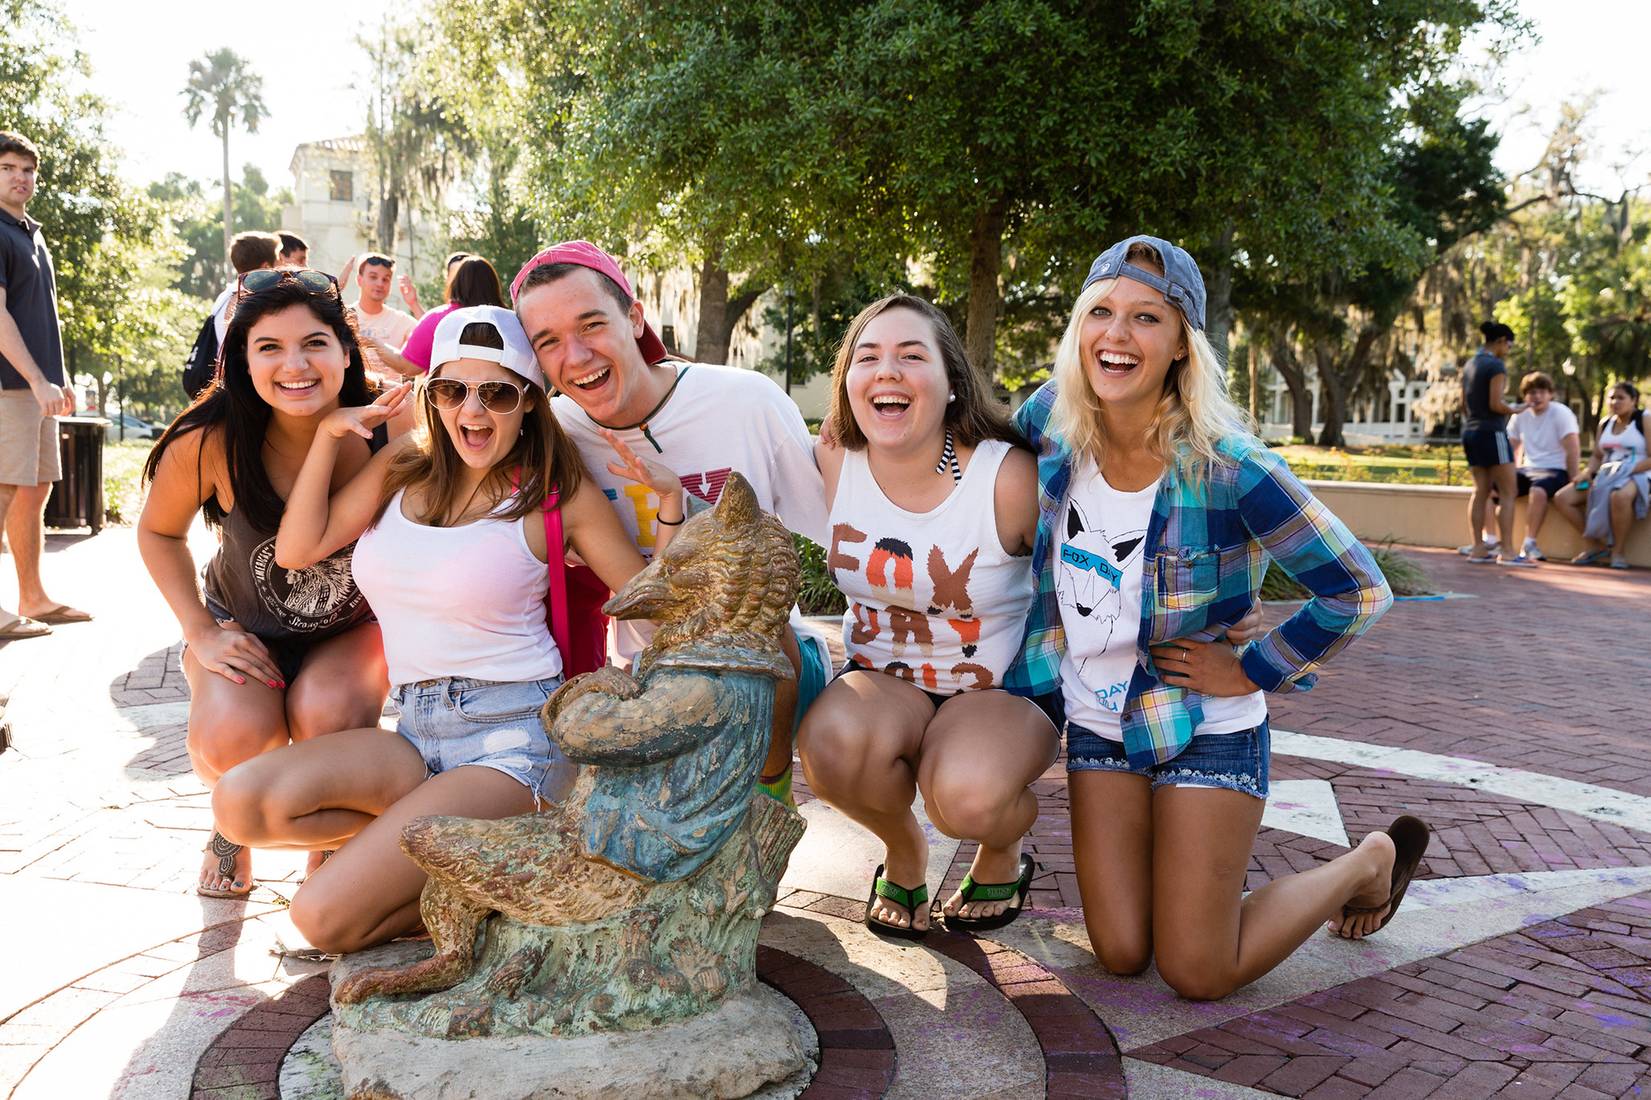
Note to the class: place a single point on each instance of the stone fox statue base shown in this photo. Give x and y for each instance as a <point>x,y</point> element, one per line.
<point>636,901</point>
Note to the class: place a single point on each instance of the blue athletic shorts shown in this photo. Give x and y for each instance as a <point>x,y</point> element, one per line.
<point>812,677</point>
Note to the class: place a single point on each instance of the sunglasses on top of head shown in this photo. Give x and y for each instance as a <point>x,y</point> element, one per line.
<point>496,397</point>
<point>316,282</point>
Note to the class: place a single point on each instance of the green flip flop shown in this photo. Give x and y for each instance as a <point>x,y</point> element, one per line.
<point>906,899</point>
<point>993,891</point>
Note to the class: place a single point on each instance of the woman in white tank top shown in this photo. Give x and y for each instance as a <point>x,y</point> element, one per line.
<point>452,558</point>
<point>933,513</point>
<point>1620,473</point>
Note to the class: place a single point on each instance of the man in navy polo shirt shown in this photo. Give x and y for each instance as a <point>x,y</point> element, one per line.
<point>32,389</point>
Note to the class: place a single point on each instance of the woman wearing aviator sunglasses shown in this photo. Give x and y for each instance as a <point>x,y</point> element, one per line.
<point>273,654</point>
<point>452,558</point>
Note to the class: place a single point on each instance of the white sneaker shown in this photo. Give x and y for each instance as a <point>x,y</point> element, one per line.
<point>1532,550</point>
<point>1490,544</point>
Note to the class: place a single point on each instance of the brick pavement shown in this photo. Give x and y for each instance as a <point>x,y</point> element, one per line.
<point>1545,669</point>
<point>100,797</point>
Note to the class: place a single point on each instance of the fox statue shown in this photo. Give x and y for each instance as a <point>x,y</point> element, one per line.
<point>637,899</point>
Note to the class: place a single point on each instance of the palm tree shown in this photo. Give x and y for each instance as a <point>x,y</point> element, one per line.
<point>222,86</point>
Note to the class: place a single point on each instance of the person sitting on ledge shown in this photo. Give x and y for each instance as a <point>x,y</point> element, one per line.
<point>1615,489</point>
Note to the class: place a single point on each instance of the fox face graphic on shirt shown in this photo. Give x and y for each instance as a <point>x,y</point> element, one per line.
<point>1088,583</point>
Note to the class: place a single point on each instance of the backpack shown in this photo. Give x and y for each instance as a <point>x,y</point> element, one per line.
<point>201,366</point>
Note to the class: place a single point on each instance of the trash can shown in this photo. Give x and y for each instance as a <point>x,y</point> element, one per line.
<point>77,499</point>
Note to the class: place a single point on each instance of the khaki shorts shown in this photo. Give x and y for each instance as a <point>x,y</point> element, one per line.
<point>28,441</point>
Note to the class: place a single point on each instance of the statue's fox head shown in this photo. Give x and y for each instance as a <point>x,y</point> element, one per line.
<point>730,573</point>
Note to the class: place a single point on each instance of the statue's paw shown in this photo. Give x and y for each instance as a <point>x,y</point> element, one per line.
<point>516,971</point>
<point>358,987</point>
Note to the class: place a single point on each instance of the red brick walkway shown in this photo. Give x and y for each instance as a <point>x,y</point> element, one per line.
<point>1540,670</point>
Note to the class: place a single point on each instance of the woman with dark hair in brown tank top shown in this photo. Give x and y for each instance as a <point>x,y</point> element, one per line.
<point>272,655</point>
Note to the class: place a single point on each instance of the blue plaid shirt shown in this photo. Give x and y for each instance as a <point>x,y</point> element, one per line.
<point>1205,555</point>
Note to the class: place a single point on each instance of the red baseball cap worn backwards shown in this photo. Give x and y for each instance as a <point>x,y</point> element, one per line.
<point>585,254</point>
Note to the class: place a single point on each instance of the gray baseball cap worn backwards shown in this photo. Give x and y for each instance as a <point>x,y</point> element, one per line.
<point>1181,284</point>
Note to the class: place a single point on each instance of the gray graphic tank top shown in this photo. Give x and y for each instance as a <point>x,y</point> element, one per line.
<point>276,603</point>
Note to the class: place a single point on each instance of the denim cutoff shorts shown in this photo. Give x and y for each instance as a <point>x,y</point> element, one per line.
<point>458,722</point>
<point>1231,761</point>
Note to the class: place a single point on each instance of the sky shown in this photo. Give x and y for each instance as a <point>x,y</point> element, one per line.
<point>314,74</point>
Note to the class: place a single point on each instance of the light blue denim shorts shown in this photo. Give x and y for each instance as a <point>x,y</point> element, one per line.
<point>458,722</point>
<point>1230,761</point>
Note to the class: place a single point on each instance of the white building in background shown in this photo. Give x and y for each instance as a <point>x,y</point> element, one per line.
<point>1371,420</point>
<point>335,206</point>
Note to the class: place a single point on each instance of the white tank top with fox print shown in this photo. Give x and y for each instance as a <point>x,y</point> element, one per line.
<point>933,598</point>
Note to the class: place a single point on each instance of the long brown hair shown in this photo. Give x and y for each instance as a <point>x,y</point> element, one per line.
<point>230,407</point>
<point>974,416</point>
<point>543,460</point>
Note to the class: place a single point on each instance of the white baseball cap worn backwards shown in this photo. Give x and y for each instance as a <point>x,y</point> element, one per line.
<point>516,356</point>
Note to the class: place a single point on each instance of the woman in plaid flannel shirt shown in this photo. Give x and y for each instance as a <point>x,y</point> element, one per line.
<point>1158,512</point>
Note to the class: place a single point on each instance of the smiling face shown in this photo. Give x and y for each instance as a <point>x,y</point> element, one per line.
<point>585,342</point>
<point>896,381</point>
<point>18,175</point>
<point>296,362</point>
<point>482,437</point>
<point>375,282</point>
<point>1127,343</point>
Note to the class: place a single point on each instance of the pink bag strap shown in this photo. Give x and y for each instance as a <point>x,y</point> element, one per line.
<point>556,555</point>
<point>555,561</point>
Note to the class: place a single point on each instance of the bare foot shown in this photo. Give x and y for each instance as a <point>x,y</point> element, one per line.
<point>904,865</point>
<point>239,882</point>
<point>991,865</point>
<point>1377,853</point>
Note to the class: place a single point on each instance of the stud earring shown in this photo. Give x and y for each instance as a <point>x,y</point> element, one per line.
<point>950,397</point>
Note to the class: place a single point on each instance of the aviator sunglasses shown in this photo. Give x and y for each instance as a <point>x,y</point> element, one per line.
<point>496,397</point>
<point>316,282</point>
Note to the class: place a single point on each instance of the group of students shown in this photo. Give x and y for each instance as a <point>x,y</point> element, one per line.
<point>1085,568</point>
<point>1532,448</point>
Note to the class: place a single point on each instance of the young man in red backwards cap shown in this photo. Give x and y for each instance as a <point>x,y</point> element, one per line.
<point>703,421</point>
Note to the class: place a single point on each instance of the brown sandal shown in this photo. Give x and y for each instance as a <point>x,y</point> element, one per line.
<point>1410,836</point>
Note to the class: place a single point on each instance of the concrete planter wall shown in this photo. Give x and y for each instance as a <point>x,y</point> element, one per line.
<point>1437,515</point>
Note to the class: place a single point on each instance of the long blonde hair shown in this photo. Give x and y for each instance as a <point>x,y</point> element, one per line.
<point>1193,415</point>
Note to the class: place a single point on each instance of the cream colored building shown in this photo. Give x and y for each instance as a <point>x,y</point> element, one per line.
<point>335,207</point>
